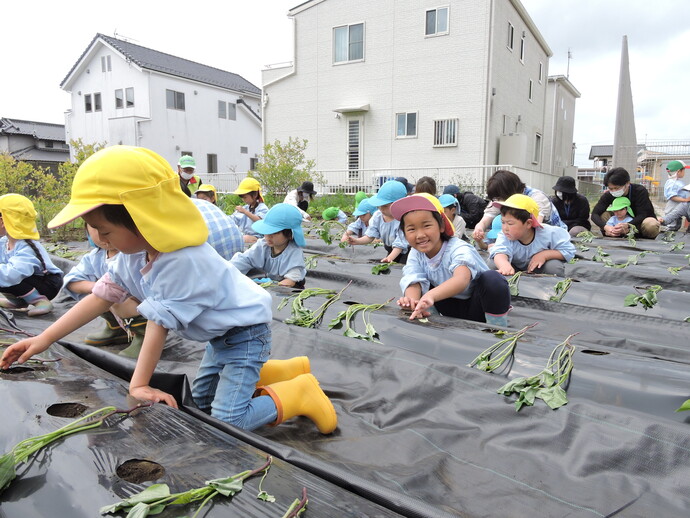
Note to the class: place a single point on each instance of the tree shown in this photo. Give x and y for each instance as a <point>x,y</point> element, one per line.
<point>283,167</point>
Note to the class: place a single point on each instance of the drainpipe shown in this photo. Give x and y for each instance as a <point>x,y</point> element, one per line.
<point>489,89</point>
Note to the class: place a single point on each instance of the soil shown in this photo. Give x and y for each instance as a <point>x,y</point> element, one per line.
<point>138,471</point>
<point>66,409</point>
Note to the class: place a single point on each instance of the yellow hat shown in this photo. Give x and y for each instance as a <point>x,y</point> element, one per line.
<point>206,187</point>
<point>248,185</point>
<point>524,202</point>
<point>18,216</point>
<point>146,185</point>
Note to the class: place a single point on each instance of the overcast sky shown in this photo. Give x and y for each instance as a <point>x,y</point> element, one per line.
<point>42,40</point>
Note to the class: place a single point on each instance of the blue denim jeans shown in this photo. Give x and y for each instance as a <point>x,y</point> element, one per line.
<point>228,374</point>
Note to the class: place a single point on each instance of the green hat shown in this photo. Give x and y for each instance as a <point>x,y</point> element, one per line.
<point>330,213</point>
<point>359,196</point>
<point>674,165</point>
<point>621,203</point>
<point>187,161</point>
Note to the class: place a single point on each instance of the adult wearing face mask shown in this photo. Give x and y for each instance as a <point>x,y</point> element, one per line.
<point>572,206</point>
<point>617,180</point>
<point>189,182</point>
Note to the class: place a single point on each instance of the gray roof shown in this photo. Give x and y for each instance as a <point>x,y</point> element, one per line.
<point>40,130</point>
<point>607,150</point>
<point>167,64</point>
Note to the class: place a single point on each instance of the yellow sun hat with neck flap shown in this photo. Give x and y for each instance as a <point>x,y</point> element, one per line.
<point>145,183</point>
<point>18,216</point>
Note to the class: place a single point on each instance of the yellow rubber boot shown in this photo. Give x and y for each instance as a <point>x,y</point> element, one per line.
<point>303,396</point>
<point>274,371</point>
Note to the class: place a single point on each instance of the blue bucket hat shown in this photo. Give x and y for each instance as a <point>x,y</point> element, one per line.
<point>495,228</point>
<point>389,192</point>
<point>282,216</point>
<point>447,200</point>
<point>451,189</point>
<point>364,207</point>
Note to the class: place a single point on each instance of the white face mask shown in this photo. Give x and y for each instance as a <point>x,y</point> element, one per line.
<point>559,194</point>
<point>186,176</point>
<point>618,193</point>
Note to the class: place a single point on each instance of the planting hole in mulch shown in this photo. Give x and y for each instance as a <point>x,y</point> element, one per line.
<point>350,302</point>
<point>138,471</point>
<point>16,370</point>
<point>66,409</point>
<point>594,353</point>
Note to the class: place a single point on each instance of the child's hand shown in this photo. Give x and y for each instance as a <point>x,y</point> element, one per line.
<point>537,261</point>
<point>22,351</point>
<point>146,393</point>
<point>506,270</point>
<point>387,259</point>
<point>420,309</point>
<point>407,302</point>
<point>351,239</point>
<point>241,209</point>
<point>478,234</point>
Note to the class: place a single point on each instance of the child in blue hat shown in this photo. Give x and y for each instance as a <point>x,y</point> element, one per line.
<point>279,253</point>
<point>490,237</point>
<point>384,226</point>
<point>451,207</point>
<point>363,212</point>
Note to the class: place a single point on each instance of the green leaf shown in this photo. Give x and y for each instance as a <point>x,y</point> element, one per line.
<point>263,495</point>
<point>226,486</point>
<point>141,510</point>
<point>554,396</point>
<point>378,269</point>
<point>630,300</point>
<point>354,334</point>
<point>148,495</point>
<point>512,386</point>
<point>685,406</point>
<point>7,470</point>
<point>547,378</point>
<point>526,397</point>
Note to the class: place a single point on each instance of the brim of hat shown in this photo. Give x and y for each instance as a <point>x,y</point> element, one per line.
<point>71,212</point>
<point>266,228</point>
<point>358,212</point>
<point>306,192</point>
<point>412,203</point>
<point>492,234</point>
<point>568,190</point>
<point>535,221</point>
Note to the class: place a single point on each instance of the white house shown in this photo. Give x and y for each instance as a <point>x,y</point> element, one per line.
<point>124,93</point>
<point>559,152</point>
<point>411,84</point>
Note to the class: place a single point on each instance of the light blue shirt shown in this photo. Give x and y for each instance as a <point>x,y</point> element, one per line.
<point>613,220</point>
<point>342,217</point>
<point>91,267</point>
<point>192,291</point>
<point>387,231</point>
<point>288,265</point>
<point>21,262</point>
<point>673,187</point>
<point>545,238</point>
<point>357,227</point>
<point>223,234</point>
<point>244,222</point>
<point>455,252</point>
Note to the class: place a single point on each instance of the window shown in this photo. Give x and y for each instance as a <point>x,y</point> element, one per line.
<point>253,162</point>
<point>222,110</point>
<point>106,65</point>
<point>232,111</point>
<point>445,133</point>
<point>129,97</point>
<point>406,125</point>
<point>49,144</point>
<point>541,72</point>
<point>522,49</point>
<point>511,35</point>
<point>244,150</point>
<point>174,100</point>
<point>437,21</point>
<point>531,84</point>
<point>97,102</point>
<point>505,125</point>
<point>119,98</point>
<point>212,164</point>
<point>354,132</point>
<point>537,148</point>
<point>87,103</point>
<point>348,43</point>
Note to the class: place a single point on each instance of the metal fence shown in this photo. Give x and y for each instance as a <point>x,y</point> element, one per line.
<point>467,178</point>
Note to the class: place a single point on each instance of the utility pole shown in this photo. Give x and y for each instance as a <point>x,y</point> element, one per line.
<point>570,56</point>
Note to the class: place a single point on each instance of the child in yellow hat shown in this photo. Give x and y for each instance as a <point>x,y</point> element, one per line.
<point>207,192</point>
<point>27,275</point>
<point>444,271</point>
<point>253,209</point>
<point>524,244</point>
<point>132,198</point>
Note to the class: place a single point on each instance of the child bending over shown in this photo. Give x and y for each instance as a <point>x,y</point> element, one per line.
<point>279,253</point>
<point>183,285</point>
<point>27,275</point>
<point>383,225</point>
<point>358,227</point>
<point>525,245</point>
<point>444,271</point>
